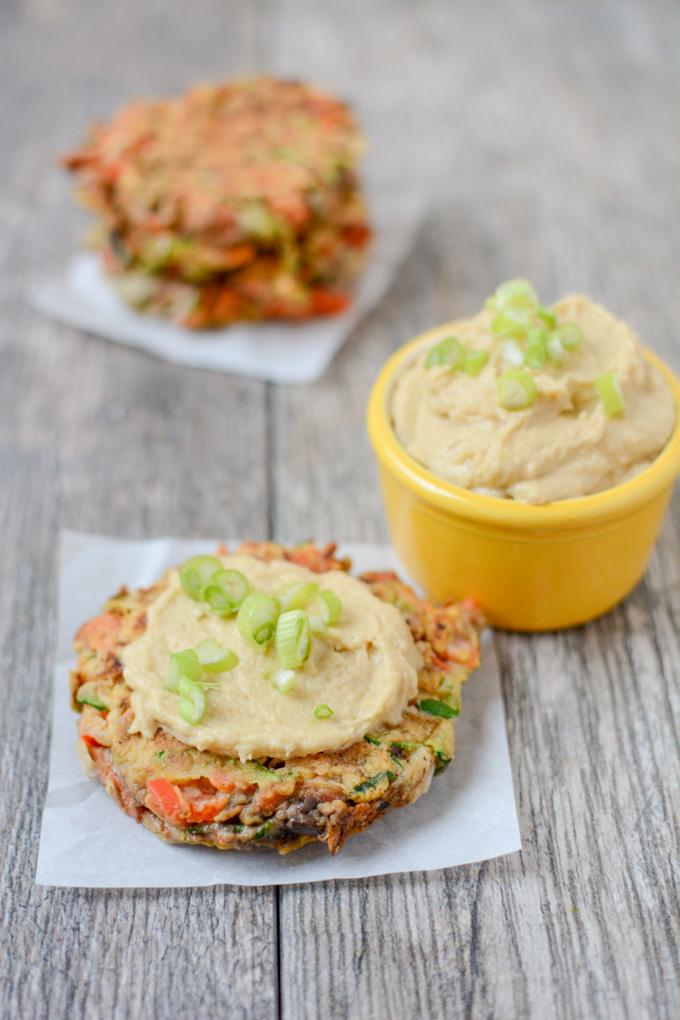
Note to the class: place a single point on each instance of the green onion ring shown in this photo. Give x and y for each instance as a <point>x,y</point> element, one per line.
<point>512,353</point>
<point>571,335</point>
<point>293,640</point>
<point>512,322</point>
<point>516,390</point>
<point>214,658</point>
<point>518,293</point>
<point>173,675</point>
<point>225,591</point>
<point>325,611</point>
<point>474,362</point>
<point>297,594</point>
<point>537,347</point>
<point>448,352</point>
<point>257,618</point>
<point>284,680</point>
<point>192,700</point>
<point>184,663</point>
<point>556,352</point>
<point>547,316</point>
<point>323,712</point>
<point>332,610</point>
<point>195,574</point>
<point>609,392</point>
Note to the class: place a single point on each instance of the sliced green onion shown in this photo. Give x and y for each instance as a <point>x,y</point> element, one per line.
<point>173,675</point>
<point>556,352</point>
<point>609,392</point>
<point>325,610</point>
<point>214,657</point>
<point>257,618</point>
<point>512,322</point>
<point>293,640</point>
<point>323,712</point>
<point>537,347</point>
<point>547,316</point>
<point>449,352</point>
<point>195,574</point>
<point>284,680</point>
<point>191,701</point>
<point>225,591</point>
<point>516,390</point>
<point>84,696</point>
<point>512,353</point>
<point>297,594</point>
<point>333,606</point>
<point>517,293</point>
<point>571,335</point>
<point>182,664</point>
<point>474,362</point>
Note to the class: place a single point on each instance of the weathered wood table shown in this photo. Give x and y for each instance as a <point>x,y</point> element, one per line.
<point>547,136</point>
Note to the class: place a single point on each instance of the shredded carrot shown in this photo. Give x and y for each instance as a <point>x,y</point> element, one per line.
<point>100,633</point>
<point>88,739</point>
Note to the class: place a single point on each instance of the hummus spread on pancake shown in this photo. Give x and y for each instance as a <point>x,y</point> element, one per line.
<point>364,667</point>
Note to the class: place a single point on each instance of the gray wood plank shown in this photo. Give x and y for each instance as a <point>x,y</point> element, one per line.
<point>99,438</point>
<point>547,137</point>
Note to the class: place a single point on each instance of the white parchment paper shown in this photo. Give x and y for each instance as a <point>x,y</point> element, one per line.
<point>86,840</point>
<point>81,296</point>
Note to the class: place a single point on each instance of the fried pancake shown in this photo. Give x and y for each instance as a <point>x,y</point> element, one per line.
<point>233,201</point>
<point>185,795</point>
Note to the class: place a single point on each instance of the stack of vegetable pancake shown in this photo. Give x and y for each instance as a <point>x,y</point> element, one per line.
<point>237,801</point>
<point>233,201</point>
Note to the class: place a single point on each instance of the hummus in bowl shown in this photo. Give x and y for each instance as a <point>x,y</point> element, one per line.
<point>526,458</point>
<point>564,443</point>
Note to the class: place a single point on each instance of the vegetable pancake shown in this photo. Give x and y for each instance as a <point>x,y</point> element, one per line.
<point>354,682</point>
<point>232,201</point>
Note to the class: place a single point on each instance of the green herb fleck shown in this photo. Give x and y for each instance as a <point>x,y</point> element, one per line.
<point>160,754</point>
<point>83,697</point>
<point>433,706</point>
<point>405,745</point>
<point>372,740</point>
<point>259,767</point>
<point>373,781</point>
<point>264,829</point>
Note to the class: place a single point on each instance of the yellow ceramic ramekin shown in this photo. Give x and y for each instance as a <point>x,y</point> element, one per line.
<point>531,568</point>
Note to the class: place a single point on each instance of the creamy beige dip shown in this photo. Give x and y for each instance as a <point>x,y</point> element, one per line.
<point>365,668</point>
<point>561,447</point>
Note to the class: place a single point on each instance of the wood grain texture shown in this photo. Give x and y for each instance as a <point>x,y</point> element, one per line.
<point>524,138</point>
<point>99,438</point>
<point>546,135</point>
